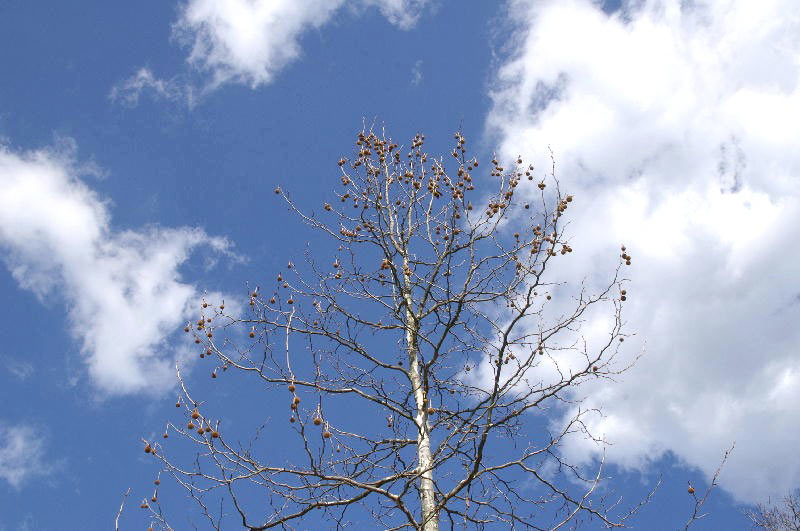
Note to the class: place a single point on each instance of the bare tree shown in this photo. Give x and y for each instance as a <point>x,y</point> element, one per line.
<point>778,517</point>
<point>700,500</point>
<point>417,359</point>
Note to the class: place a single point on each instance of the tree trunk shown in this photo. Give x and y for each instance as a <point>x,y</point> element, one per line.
<point>430,517</point>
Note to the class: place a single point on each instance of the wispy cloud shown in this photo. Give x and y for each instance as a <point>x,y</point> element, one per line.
<point>675,126</point>
<point>22,454</point>
<point>416,73</point>
<point>123,290</point>
<point>20,369</point>
<point>129,91</point>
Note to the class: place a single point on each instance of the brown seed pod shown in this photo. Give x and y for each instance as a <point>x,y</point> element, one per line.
<point>291,419</point>
<point>292,388</point>
<point>215,434</point>
<point>190,425</point>
<point>297,400</point>
<point>690,490</point>
<point>195,414</point>
<point>326,434</point>
<point>148,448</point>
<point>157,482</point>
<point>317,421</point>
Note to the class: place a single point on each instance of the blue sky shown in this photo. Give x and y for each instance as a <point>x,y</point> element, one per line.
<point>139,147</point>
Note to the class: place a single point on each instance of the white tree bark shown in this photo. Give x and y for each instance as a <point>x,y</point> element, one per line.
<point>430,517</point>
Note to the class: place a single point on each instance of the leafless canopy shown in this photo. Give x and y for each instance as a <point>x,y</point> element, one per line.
<point>784,516</point>
<point>416,358</point>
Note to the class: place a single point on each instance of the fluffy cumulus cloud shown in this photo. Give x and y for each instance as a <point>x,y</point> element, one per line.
<point>123,290</point>
<point>249,41</point>
<point>675,124</point>
<point>22,454</point>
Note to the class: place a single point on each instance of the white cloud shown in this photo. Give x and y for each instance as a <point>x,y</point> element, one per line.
<point>249,41</point>
<point>123,291</point>
<point>402,13</point>
<point>21,454</point>
<point>130,90</point>
<point>416,73</point>
<point>20,369</point>
<point>675,124</point>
